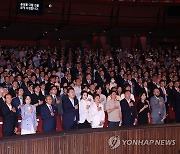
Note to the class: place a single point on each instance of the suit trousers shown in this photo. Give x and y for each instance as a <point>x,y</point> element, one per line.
<point>157,120</point>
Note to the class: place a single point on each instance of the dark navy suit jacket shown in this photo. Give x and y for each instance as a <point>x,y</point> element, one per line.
<point>49,122</point>
<point>10,121</point>
<point>128,113</point>
<point>16,103</point>
<point>70,114</point>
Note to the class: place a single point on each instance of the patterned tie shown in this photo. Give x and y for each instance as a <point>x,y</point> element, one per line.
<point>50,108</point>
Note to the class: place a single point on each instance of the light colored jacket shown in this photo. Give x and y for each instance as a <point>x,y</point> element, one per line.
<point>158,111</point>
<point>83,111</point>
<point>29,120</point>
<point>96,116</point>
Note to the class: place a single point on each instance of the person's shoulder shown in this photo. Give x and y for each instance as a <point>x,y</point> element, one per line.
<point>33,106</point>
<point>15,98</point>
<point>123,100</point>
<point>43,106</point>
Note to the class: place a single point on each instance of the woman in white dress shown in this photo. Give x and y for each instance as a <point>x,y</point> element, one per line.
<point>28,113</point>
<point>84,106</point>
<point>97,114</point>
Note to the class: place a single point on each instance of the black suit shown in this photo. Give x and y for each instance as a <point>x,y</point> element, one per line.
<point>105,92</point>
<point>151,87</point>
<point>10,121</point>
<point>176,102</point>
<point>64,80</point>
<point>70,114</point>
<point>120,81</point>
<point>88,83</point>
<point>128,113</point>
<point>138,89</point>
<point>100,81</point>
<point>35,99</point>
<point>1,105</point>
<point>12,92</point>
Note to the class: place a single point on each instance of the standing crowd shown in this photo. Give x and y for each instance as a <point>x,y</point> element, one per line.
<point>87,87</point>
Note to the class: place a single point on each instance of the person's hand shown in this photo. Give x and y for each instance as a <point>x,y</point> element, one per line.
<point>116,107</point>
<point>161,102</point>
<point>101,123</point>
<point>58,102</point>
<point>145,106</point>
<point>40,102</point>
<point>164,117</point>
<point>99,108</point>
<point>135,121</point>
<point>76,107</point>
<point>131,104</point>
<point>15,130</point>
<point>87,106</point>
<point>101,99</point>
<point>120,123</point>
<point>19,107</point>
<point>13,109</point>
<point>52,114</point>
<point>31,110</point>
<point>89,99</point>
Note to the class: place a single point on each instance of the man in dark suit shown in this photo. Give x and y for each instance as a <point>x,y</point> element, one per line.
<point>100,78</point>
<point>88,80</point>
<point>128,110</point>
<point>139,87</point>
<point>56,100</point>
<point>66,79</point>
<point>152,85</point>
<point>10,120</point>
<point>70,110</point>
<point>3,92</point>
<point>12,90</point>
<point>17,102</point>
<point>176,102</point>
<point>48,115</point>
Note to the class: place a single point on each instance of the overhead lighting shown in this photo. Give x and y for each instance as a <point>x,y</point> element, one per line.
<point>59,39</point>
<point>46,32</point>
<point>4,27</point>
<point>55,29</point>
<point>150,32</point>
<point>50,5</point>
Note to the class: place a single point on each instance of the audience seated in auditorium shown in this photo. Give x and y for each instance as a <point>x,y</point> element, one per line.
<point>38,70</point>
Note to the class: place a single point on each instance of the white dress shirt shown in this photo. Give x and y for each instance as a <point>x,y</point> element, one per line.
<point>9,106</point>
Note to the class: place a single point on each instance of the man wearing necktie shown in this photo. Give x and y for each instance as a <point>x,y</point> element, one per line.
<point>17,102</point>
<point>10,120</point>
<point>70,110</point>
<point>48,115</point>
<point>56,100</point>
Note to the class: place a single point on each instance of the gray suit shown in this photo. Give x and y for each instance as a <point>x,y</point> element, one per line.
<point>58,106</point>
<point>158,111</point>
<point>28,119</point>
